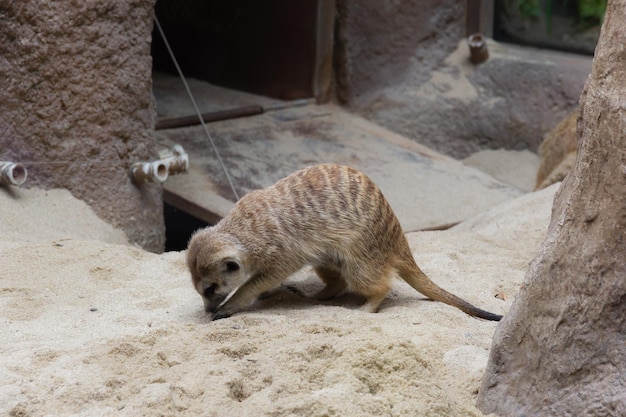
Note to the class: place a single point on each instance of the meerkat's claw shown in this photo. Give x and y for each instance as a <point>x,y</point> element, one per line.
<point>220,315</point>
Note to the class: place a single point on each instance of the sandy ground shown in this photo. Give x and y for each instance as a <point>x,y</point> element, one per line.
<point>516,168</point>
<point>94,327</point>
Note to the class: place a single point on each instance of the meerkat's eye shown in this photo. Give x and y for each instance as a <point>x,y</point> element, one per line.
<point>210,290</point>
<point>232,266</point>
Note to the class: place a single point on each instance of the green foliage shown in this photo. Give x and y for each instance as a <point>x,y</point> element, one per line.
<point>591,9</point>
<point>529,8</point>
<point>535,8</point>
<point>590,12</point>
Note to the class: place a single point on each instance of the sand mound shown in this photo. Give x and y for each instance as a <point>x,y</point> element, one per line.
<point>93,328</point>
<point>45,216</point>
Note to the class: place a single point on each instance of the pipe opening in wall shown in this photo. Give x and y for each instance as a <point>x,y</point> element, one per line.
<point>162,171</point>
<point>12,173</point>
<point>19,174</point>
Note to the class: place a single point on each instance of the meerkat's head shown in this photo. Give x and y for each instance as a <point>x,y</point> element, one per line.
<point>216,262</point>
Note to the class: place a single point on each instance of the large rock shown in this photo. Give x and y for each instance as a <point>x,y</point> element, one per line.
<point>560,351</point>
<point>378,44</point>
<point>557,152</point>
<point>405,65</point>
<point>509,101</point>
<point>77,107</point>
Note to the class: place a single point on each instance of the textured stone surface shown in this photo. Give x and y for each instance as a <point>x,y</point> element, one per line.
<point>557,152</point>
<point>560,349</point>
<point>517,168</point>
<point>77,108</point>
<point>405,65</point>
<point>509,101</point>
<point>379,43</point>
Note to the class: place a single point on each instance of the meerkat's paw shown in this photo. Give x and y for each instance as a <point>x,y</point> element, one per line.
<point>373,303</point>
<point>368,308</point>
<point>277,291</point>
<point>221,314</point>
<point>327,294</point>
<point>335,286</point>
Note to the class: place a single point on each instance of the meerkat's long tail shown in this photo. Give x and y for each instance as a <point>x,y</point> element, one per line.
<point>420,281</point>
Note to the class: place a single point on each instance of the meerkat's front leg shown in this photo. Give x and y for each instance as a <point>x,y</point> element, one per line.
<point>247,293</point>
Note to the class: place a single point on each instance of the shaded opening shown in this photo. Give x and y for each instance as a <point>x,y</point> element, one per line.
<point>162,172</point>
<point>273,48</point>
<point>17,174</point>
<point>179,226</point>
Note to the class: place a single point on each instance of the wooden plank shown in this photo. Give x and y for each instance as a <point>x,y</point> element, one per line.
<point>425,188</point>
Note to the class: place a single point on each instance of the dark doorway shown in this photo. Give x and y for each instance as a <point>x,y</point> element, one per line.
<point>179,226</point>
<point>276,48</point>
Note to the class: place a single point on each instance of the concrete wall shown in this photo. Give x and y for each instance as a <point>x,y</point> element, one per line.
<point>75,88</point>
<point>380,43</point>
<point>559,351</point>
<point>405,65</point>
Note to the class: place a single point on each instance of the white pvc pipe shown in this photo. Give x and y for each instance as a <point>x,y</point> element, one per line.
<point>176,159</point>
<point>12,173</point>
<point>173,161</point>
<point>156,171</point>
<point>478,48</point>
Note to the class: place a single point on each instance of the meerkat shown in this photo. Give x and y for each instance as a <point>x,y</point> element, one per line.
<point>331,217</point>
<point>558,152</point>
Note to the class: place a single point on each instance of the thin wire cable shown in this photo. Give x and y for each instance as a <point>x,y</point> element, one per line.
<point>69,163</point>
<point>72,163</point>
<point>195,105</point>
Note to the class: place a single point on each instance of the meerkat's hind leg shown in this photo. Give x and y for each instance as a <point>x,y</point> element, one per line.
<point>375,288</point>
<point>373,302</point>
<point>335,284</point>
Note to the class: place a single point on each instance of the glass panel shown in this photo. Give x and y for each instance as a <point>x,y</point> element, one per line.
<point>568,25</point>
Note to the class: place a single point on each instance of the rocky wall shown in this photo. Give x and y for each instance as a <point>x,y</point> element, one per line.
<point>405,65</point>
<point>77,106</point>
<point>559,351</point>
<point>378,44</point>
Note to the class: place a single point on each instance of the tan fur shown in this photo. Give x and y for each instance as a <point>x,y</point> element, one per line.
<point>329,216</point>
<point>557,152</point>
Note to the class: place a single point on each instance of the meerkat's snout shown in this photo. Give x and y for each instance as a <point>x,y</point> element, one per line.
<point>211,299</point>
